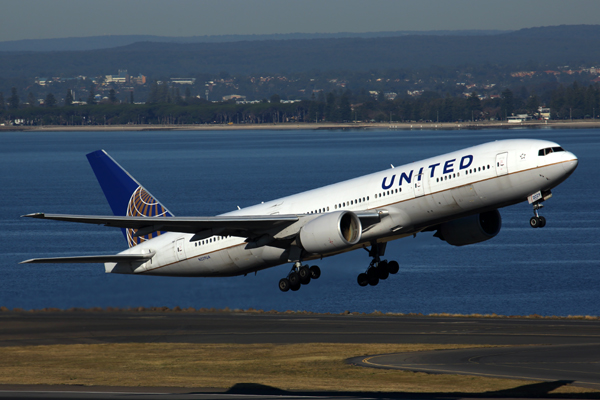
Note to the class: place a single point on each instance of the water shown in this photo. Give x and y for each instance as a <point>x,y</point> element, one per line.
<point>550,271</point>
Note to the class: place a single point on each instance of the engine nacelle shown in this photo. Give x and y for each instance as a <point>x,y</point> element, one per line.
<point>472,229</point>
<point>331,232</point>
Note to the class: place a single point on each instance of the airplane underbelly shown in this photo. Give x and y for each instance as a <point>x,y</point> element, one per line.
<point>258,258</point>
<point>466,198</point>
<point>444,202</point>
<point>513,187</point>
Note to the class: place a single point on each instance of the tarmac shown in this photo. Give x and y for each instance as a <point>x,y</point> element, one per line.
<point>556,351</point>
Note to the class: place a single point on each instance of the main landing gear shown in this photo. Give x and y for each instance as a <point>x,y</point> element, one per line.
<point>298,276</point>
<point>537,221</point>
<point>378,269</point>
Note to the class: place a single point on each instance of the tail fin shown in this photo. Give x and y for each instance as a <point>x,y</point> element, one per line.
<point>125,195</point>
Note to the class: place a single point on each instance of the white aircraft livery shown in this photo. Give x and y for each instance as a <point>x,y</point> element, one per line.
<point>457,195</point>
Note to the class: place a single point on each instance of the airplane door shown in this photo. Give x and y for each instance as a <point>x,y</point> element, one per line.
<point>501,166</point>
<point>179,249</point>
<point>418,186</point>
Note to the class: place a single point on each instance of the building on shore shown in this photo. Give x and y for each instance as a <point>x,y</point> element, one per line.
<point>516,119</point>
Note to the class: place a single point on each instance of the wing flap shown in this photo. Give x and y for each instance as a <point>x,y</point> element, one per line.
<point>99,259</point>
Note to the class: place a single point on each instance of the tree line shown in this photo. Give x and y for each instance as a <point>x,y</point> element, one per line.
<point>166,105</point>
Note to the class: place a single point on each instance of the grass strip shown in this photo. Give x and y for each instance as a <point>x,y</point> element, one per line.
<point>314,366</point>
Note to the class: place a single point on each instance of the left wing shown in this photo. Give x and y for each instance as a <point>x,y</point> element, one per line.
<point>246,226</point>
<point>117,258</point>
<point>203,227</point>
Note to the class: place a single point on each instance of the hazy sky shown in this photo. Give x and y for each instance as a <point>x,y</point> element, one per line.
<point>39,19</point>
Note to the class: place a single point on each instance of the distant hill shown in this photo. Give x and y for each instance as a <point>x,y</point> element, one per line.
<point>111,41</point>
<point>557,45</point>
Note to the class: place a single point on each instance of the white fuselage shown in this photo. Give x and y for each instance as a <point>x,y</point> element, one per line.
<point>414,197</point>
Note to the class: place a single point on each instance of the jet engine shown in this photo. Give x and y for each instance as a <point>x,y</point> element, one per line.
<point>472,229</point>
<point>331,232</point>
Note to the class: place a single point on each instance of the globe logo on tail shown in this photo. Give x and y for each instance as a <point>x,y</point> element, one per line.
<point>142,204</point>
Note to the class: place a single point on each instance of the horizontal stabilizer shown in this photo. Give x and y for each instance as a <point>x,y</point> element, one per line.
<point>116,258</point>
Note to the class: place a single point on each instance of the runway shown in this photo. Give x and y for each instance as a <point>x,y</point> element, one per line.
<point>39,328</point>
<point>578,363</point>
<point>541,349</point>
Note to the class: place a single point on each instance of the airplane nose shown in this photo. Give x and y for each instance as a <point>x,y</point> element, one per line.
<point>570,165</point>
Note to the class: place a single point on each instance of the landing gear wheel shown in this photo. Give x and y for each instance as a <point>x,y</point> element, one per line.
<point>363,279</point>
<point>383,264</point>
<point>315,272</point>
<point>378,269</point>
<point>535,222</point>
<point>294,279</point>
<point>393,267</point>
<point>304,274</point>
<point>542,221</point>
<point>382,272</point>
<point>284,284</point>
<point>295,288</point>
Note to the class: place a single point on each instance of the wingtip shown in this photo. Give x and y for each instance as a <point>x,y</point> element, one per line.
<point>34,215</point>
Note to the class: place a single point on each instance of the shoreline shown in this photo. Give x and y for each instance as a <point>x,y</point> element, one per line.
<point>236,311</point>
<point>587,124</point>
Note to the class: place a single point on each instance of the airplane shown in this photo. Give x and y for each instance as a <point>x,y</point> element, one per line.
<point>457,195</point>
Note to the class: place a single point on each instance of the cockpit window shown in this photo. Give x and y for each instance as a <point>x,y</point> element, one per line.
<point>548,150</point>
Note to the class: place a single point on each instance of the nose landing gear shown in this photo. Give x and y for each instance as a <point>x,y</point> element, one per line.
<point>537,221</point>
<point>298,276</point>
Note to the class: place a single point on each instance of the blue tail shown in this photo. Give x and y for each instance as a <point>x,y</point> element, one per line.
<point>125,195</point>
